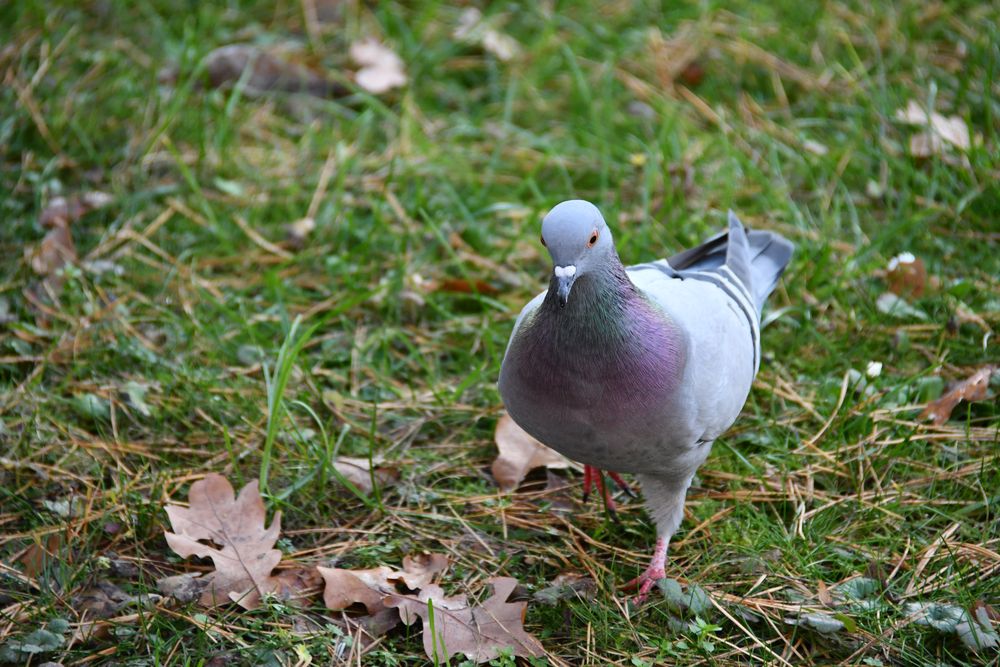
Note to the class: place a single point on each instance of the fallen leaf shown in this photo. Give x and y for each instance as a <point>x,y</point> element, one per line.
<point>243,566</point>
<point>54,252</point>
<point>297,584</point>
<point>347,587</point>
<point>520,453</point>
<point>267,72</point>
<point>37,556</point>
<point>422,569</point>
<point>62,211</point>
<point>105,600</point>
<point>371,587</point>
<point>973,388</point>
<point>381,69</point>
<point>57,248</point>
<point>184,588</point>
<point>940,130</point>
<point>357,471</point>
<point>907,275</point>
<point>478,632</point>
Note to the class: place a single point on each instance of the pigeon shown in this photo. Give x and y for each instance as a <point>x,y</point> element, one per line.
<point>640,369</point>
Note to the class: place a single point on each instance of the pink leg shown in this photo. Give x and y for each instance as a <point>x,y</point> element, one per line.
<point>622,484</point>
<point>593,476</point>
<point>609,502</point>
<point>645,581</point>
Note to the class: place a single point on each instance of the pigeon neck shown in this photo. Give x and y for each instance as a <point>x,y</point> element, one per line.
<point>598,297</point>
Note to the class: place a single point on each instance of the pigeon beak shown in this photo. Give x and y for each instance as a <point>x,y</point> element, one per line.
<point>565,276</point>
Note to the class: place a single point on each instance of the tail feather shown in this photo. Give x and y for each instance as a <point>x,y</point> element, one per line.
<point>771,253</point>
<point>758,258</point>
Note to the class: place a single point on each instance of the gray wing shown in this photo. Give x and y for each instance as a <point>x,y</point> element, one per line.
<point>714,292</point>
<point>526,312</point>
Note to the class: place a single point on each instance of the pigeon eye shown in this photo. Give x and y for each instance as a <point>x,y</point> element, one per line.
<point>593,239</point>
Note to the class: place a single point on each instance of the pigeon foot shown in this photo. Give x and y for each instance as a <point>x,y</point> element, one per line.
<point>595,476</point>
<point>645,581</point>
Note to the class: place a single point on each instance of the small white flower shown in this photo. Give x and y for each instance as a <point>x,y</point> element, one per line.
<point>874,369</point>
<point>901,258</point>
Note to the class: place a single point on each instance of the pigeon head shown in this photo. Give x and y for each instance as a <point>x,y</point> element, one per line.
<point>579,242</point>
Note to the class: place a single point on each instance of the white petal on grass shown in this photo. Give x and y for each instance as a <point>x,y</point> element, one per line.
<point>381,69</point>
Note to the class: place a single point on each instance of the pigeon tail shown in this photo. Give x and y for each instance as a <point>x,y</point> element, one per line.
<point>757,258</point>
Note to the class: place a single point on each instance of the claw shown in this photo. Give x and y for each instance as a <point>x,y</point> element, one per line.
<point>622,484</point>
<point>645,581</point>
<point>593,476</point>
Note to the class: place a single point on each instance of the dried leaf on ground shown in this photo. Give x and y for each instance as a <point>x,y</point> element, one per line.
<point>520,453</point>
<point>105,600</point>
<point>347,587</point>
<point>57,248</point>
<point>357,471</point>
<point>244,564</point>
<point>184,588</point>
<point>940,131</point>
<point>973,388</point>
<point>267,72</point>
<point>478,632</point>
<point>381,69</point>
<point>906,275</point>
<point>297,584</point>
<point>371,587</point>
<point>422,569</point>
<point>37,556</point>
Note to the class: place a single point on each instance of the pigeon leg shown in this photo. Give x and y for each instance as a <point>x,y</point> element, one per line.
<point>593,476</point>
<point>656,571</point>
<point>622,484</point>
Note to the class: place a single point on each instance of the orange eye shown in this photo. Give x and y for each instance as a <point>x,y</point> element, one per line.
<point>593,239</point>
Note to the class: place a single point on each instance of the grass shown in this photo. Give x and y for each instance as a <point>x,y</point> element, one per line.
<point>790,122</point>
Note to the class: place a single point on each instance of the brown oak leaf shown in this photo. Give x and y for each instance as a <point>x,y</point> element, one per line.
<point>479,632</point>
<point>371,587</point>
<point>244,564</point>
<point>520,453</point>
<point>347,587</point>
<point>973,388</point>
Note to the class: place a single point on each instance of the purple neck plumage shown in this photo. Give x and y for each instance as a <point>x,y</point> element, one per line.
<point>610,333</point>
